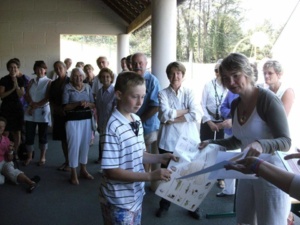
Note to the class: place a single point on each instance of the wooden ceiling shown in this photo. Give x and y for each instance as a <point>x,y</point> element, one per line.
<point>135,12</point>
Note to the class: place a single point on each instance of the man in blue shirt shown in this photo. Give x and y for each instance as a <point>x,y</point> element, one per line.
<point>149,110</point>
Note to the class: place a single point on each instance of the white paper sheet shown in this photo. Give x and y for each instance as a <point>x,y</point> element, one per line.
<point>190,192</point>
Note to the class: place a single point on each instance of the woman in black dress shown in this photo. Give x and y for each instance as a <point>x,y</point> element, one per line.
<point>58,114</point>
<point>11,90</point>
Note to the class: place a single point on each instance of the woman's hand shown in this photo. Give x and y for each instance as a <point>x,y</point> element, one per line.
<point>254,149</point>
<point>243,165</point>
<point>15,81</point>
<point>85,104</point>
<point>225,124</point>
<point>214,127</point>
<point>293,156</point>
<point>203,144</point>
<point>166,157</point>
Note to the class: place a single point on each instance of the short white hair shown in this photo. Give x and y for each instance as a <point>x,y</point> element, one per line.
<point>81,72</point>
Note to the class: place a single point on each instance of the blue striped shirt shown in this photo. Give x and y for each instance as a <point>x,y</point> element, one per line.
<point>122,149</point>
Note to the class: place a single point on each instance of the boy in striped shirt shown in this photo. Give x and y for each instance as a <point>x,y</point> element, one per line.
<point>124,152</point>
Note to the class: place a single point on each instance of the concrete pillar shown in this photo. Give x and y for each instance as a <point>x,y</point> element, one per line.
<point>123,49</point>
<point>164,33</point>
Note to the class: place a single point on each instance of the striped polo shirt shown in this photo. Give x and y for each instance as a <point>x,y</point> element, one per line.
<point>122,149</point>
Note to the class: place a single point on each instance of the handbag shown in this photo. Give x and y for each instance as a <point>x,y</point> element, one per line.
<point>79,113</point>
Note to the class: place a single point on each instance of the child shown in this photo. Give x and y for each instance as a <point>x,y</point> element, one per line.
<point>122,183</point>
<point>7,169</point>
<point>105,102</point>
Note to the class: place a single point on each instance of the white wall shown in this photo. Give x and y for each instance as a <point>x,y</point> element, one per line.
<point>286,51</point>
<point>30,29</point>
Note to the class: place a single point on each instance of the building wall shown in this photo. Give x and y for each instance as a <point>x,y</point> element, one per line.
<point>30,29</point>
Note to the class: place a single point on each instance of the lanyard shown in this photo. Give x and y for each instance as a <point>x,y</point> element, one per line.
<point>218,99</point>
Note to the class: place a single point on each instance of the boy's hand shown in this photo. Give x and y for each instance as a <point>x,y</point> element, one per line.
<point>161,174</point>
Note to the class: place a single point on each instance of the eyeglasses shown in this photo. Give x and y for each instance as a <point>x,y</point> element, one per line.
<point>216,71</point>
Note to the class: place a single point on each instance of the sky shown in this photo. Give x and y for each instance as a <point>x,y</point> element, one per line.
<point>277,11</point>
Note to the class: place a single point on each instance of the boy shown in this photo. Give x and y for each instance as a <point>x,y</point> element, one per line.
<point>7,169</point>
<point>122,184</point>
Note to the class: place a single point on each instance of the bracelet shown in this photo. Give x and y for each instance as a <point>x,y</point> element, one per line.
<point>255,165</point>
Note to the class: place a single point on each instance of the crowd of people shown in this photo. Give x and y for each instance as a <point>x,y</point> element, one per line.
<point>139,125</point>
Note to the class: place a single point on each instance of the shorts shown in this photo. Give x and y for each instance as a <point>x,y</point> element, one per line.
<point>150,138</point>
<point>118,216</point>
<point>9,171</point>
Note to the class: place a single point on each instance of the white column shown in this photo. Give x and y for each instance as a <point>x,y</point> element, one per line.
<point>164,33</point>
<point>123,49</point>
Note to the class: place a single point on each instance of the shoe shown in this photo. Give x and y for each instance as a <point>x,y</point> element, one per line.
<point>221,184</point>
<point>98,161</point>
<point>160,212</point>
<point>195,214</point>
<point>221,194</point>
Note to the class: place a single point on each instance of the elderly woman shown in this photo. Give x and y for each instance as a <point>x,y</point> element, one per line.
<point>105,103</point>
<point>78,101</point>
<point>11,90</point>
<point>178,113</point>
<point>257,129</point>
<point>38,111</point>
<point>58,114</point>
<point>272,73</point>
<point>89,72</point>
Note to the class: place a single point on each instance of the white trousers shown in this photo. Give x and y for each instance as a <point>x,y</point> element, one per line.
<point>79,134</point>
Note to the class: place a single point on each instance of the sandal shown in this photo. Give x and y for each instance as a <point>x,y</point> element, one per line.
<point>86,175</point>
<point>42,163</point>
<point>32,187</point>
<point>26,162</point>
<point>98,161</point>
<point>64,167</point>
<point>74,182</point>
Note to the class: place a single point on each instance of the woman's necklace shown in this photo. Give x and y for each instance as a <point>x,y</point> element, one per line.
<point>243,116</point>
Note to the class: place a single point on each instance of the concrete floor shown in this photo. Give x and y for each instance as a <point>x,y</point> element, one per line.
<point>57,202</point>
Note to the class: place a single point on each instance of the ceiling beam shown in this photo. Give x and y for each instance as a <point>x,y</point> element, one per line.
<point>143,18</point>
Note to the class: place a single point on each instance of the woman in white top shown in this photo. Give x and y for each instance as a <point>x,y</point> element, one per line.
<point>37,112</point>
<point>178,113</point>
<point>272,73</point>
<point>78,103</point>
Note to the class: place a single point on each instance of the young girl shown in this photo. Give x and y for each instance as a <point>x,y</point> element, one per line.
<point>7,169</point>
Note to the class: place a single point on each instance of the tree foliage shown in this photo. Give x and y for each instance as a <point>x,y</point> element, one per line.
<point>211,28</point>
<point>207,30</point>
<point>105,40</point>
